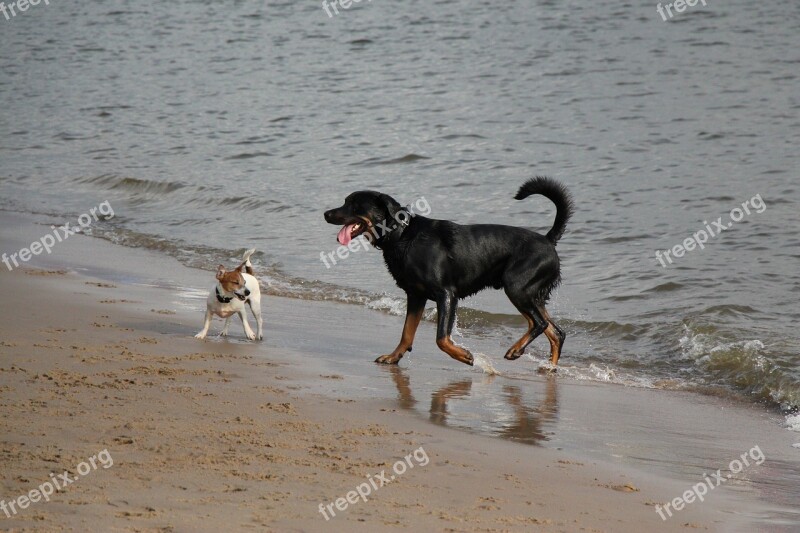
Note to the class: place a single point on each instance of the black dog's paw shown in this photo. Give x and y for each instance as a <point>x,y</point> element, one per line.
<point>388,359</point>
<point>549,369</point>
<point>513,354</point>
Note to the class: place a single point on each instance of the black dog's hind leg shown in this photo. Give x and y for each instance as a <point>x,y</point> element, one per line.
<point>446,304</point>
<point>536,326</point>
<point>555,335</point>
<point>414,309</point>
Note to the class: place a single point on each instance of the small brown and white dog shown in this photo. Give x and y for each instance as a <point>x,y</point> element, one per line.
<point>232,291</point>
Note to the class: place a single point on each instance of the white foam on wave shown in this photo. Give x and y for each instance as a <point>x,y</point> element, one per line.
<point>393,306</point>
<point>603,374</point>
<point>594,372</point>
<point>793,424</point>
<point>482,362</point>
<point>702,346</point>
<point>547,366</point>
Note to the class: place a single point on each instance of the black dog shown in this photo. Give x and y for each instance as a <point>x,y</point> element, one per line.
<point>443,261</point>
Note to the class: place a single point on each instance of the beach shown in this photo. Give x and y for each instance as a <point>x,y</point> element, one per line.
<point>98,354</point>
<point>144,144</point>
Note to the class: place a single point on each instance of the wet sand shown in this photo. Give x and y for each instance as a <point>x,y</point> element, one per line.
<point>97,354</point>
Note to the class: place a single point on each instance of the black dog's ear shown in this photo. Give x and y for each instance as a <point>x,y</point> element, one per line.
<point>392,205</point>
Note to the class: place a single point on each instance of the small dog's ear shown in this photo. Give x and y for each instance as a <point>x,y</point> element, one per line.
<point>392,205</point>
<point>220,271</point>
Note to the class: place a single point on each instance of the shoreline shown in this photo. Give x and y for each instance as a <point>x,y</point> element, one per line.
<point>272,429</point>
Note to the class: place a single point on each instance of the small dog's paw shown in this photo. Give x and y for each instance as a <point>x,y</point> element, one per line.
<point>251,336</point>
<point>200,335</point>
<point>388,359</point>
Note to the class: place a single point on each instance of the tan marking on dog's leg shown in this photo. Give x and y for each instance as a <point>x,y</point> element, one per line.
<point>413,319</point>
<point>456,352</point>
<point>555,338</point>
<point>518,348</point>
<point>555,343</point>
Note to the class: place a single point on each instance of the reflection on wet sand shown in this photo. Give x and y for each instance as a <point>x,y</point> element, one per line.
<point>515,418</point>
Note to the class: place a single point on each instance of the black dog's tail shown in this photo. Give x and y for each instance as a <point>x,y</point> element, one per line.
<point>556,193</point>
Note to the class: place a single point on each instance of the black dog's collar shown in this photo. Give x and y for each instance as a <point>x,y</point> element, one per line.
<point>222,299</point>
<point>396,233</point>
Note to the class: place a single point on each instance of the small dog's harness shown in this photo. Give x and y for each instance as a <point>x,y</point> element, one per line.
<point>221,298</point>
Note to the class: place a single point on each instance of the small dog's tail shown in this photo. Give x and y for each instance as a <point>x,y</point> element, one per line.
<point>248,266</point>
<point>556,193</point>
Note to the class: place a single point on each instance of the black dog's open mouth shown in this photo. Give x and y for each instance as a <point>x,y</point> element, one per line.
<point>351,231</point>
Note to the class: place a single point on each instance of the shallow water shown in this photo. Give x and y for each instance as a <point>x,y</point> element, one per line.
<point>212,128</point>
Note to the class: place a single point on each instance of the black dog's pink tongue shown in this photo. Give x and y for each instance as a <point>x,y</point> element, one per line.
<point>344,234</point>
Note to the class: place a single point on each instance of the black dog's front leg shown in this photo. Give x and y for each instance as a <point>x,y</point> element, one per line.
<point>446,305</point>
<point>414,310</point>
